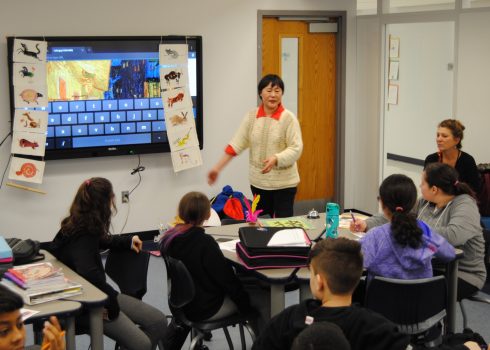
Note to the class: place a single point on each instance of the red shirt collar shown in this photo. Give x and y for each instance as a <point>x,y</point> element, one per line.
<point>276,115</point>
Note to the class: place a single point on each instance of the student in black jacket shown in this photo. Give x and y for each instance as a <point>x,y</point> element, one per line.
<point>218,291</point>
<point>335,270</point>
<point>132,323</point>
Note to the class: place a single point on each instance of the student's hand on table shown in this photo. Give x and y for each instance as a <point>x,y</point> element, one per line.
<point>269,163</point>
<point>54,336</point>
<point>358,226</point>
<point>136,244</point>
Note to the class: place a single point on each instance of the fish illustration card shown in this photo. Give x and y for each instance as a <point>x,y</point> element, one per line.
<point>30,96</point>
<point>173,54</point>
<point>31,121</point>
<point>28,143</point>
<point>186,158</point>
<point>179,119</point>
<point>183,138</point>
<point>175,99</point>
<point>29,51</point>
<point>27,170</point>
<point>171,78</point>
<point>29,74</point>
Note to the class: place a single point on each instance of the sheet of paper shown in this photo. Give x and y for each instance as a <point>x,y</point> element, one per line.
<point>229,245</point>
<point>293,237</point>
<point>26,313</point>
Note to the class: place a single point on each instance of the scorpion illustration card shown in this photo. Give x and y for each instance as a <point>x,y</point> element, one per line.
<point>173,54</point>
<point>176,99</point>
<point>186,158</point>
<point>28,143</point>
<point>180,139</point>
<point>181,119</point>
<point>174,77</point>
<point>29,51</point>
<point>31,121</point>
<point>29,74</point>
<point>27,170</point>
<point>30,96</point>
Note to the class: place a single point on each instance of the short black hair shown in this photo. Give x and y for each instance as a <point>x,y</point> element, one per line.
<point>9,301</point>
<point>272,79</point>
<point>321,335</point>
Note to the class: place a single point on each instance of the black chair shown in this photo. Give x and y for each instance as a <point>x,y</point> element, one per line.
<point>416,306</point>
<point>181,291</point>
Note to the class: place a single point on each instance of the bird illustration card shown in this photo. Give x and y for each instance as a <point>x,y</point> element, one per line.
<point>29,51</point>
<point>173,54</point>
<point>30,96</point>
<point>171,78</point>
<point>31,121</point>
<point>186,158</point>
<point>26,74</point>
<point>27,170</point>
<point>176,99</point>
<point>179,119</point>
<point>28,143</point>
<point>183,138</point>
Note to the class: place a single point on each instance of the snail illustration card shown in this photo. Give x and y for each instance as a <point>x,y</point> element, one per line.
<point>31,121</point>
<point>175,99</point>
<point>171,78</point>
<point>30,96</point>
<point>29,51</point>
<point>27,170</point>
<point>183,138</point>
<point>28,143</point>
<point>29,74</point>
<point>173,54</point>
<point>186,158</point>
<point>179,119</point>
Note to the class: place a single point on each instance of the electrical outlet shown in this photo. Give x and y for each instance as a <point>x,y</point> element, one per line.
<point>125,196</point>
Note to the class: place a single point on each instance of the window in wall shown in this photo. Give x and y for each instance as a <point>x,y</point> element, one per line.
<point>367,7</point>
<point>399,6</point>
<point>467,4</point>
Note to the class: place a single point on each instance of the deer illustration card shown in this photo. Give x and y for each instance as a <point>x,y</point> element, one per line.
<point>31,121</point>
<point>28,143</point>
<point>186,158</point>
<point>27,170</point>
<point>29,74</point>
<point>173,54</point>
<point>30,96</point>
<point>29,51</point>
<point>176,99</point>
<point>174,77</point>
<point>182,138</point>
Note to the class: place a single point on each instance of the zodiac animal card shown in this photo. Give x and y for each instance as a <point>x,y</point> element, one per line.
<point>174,77</point>
<point>30,96</point>
<point>173,54</point>
<point>28,143</point>
<point>31,121</point>
<point>29,51</point>
<point>180,119</point>
<point>186,158</point>
<point>176,99</point>
<point>29,74</point>
<point>183,138</point>
<point>27,170</point>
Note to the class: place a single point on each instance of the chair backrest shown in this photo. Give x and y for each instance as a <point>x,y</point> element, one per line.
<point>181,289</point>
<point>414,305</point>
<point>129,270</point>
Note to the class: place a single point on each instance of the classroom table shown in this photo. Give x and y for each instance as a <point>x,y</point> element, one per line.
<point>91,297</point>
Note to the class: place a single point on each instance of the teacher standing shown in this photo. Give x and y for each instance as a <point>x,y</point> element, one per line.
<point>273,136</point>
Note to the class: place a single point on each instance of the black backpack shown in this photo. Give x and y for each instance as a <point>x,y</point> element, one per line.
<point>25,251</point>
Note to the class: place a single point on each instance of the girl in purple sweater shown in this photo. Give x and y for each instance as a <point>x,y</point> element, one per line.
<point>403,248</point>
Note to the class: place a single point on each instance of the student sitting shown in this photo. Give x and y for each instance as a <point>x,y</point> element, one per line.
<point>335,269</point>
<point>219,293</point>
<point>403,248</point>
<point>12,330</point>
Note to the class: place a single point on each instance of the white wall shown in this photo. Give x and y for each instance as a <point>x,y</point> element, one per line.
<point>229,30</point>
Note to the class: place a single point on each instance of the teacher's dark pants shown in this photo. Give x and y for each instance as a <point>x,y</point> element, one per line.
<point>276,203</point>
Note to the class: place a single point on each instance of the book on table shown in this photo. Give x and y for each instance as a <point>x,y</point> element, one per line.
<point>37,274</point>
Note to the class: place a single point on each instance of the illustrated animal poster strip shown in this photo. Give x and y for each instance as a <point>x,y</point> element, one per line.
<point>29,74</point>
<point>180,119</point>
<point>174,77</point>
<point>27,170</point>
<point>30,96</point>
<point>173,54</point>
<point>29,51</point>
<point>186,158</point>
<point>31,121</point>
<point>28,143</point>
<point>180,139</point>
<point>175,99</point>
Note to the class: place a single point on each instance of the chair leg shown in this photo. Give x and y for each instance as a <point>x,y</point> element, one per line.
<point>251,332</point>
<point>242,336</point>
<point>228,338</point>
<point>195,339</point>
<point>463,312</point>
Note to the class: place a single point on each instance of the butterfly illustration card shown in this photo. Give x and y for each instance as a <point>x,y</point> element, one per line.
<point>28,143</point>
<point>31,121</point>
<point>173,54</point>
<point>29,51</point>
<point>27,170</point>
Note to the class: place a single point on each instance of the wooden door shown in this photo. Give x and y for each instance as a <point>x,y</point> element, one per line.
<point>316,100</point>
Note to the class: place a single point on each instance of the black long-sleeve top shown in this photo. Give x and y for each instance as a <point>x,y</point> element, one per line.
<point>212,274</point>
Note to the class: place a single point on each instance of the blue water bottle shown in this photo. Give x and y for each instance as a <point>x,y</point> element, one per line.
<point>332,215</point>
